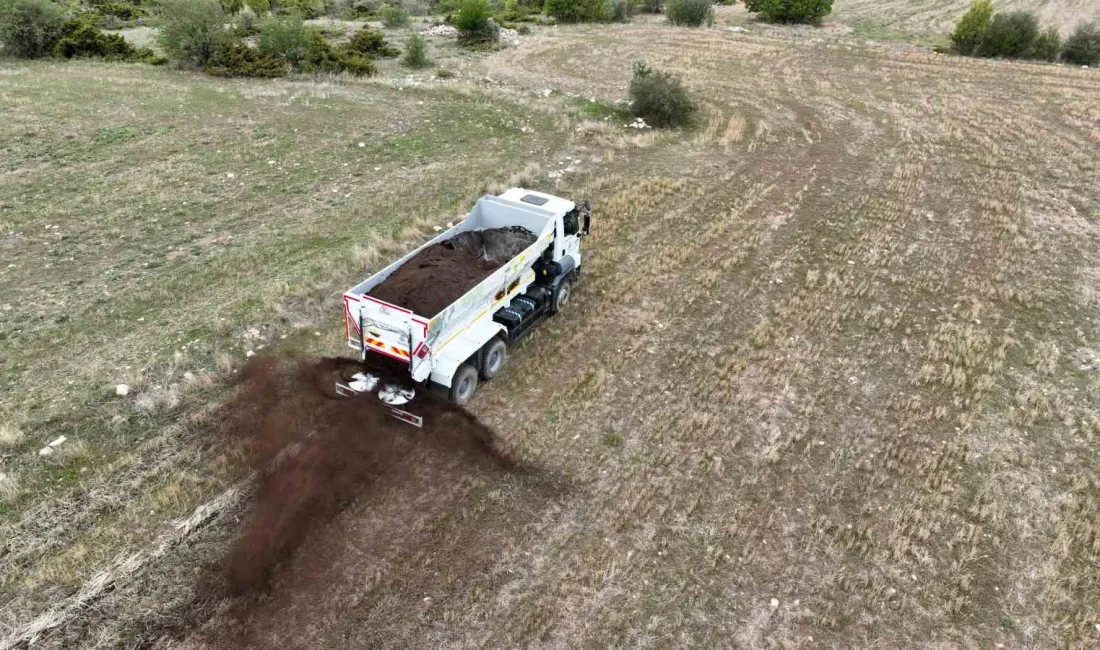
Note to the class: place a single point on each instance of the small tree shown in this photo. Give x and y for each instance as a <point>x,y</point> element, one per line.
<point>30,29</point>
<point>691,13</point>
<point>1010,35</point>
<point>393,16</point>
<point>791,11</point>
<point>1083,47</point>
<point>285,38</point>
<point>416,52</point>
<point>971,28</point>
<point>474,23</point>
<point>576,11</point>
<point>1048,46</point>
<point>659,98</point>
<point>193,31</point>
<point>370,43</point>
<point>618,11</point>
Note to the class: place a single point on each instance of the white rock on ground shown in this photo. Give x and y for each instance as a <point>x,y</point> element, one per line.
<point>57,442</point>
<point>441,30</point>
<point>775,603</point>
<point>45,451</point>
<point>122,390</point>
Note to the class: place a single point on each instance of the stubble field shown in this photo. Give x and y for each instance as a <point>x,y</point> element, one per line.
<point>830,378</point>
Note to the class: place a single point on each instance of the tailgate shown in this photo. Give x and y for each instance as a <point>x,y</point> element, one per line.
<point>374,325</point>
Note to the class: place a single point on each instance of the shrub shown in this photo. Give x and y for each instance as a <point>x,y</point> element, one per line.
<point>370,42</point>
<point>235,59</point>
<point>393,16</point>
<point>474,23</point>
<point>523,30</point>
<point>231,7</point>
<point>121,10</point>
<point>260,7</point>
<point>284,37</point>
<point>1083,47</point>
<point>1010,35</point>
<point>305,8</point>
<point>30,29</point>
<point>647,6</point>
<point>1048,45</point>
<point>691,13</point>
<point>791,11</point>
<point>246,22</point>
<point>322,57</point>
<point>416,52</point>
<point>971,28</point>
<point>618,11</point>
<point>576,11</point>
<point>84,40</point>
<point>193,31</point>
<point>659,98</point>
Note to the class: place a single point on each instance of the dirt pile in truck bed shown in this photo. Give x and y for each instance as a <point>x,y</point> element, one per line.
<point>438,275</point>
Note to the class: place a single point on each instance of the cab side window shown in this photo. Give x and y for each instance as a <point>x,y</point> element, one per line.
<point>572,223</point>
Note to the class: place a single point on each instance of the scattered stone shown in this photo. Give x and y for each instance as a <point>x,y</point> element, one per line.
<point>250,354</point>
<point>775,603</point>
<point>736,29</point>
<point>638,123</point>
<point>446,31</point>
<point>57,442</point>
<point>122,390</point>
<point>45,451</point>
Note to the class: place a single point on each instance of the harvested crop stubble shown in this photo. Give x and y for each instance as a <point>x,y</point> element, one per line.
<point>438,275</point>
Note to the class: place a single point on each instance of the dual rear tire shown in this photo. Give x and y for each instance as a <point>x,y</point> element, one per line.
<point>490,362</point>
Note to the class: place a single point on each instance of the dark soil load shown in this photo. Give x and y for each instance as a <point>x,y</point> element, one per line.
<point>440,274</point>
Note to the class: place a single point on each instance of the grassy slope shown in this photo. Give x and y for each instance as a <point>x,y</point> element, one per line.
<point>835,347</point>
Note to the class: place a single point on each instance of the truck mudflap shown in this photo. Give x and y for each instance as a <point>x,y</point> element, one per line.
<point>392,396</point>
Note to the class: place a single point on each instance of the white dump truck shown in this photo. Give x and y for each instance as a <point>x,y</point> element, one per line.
<point>467,339</point>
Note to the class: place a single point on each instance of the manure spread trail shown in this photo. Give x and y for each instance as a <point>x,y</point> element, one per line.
<point>316,453</point>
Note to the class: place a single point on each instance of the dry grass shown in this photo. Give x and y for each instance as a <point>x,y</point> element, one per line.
<point>828,379</point>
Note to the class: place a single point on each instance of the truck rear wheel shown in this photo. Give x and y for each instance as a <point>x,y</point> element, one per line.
<point>493,356</point>
<point>463,384</point>
<point>562,294</point>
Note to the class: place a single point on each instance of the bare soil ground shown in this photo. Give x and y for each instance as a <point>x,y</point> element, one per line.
<point>830,378</point>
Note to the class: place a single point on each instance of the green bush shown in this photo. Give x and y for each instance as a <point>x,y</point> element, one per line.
<point>618,11</point>
<point>691,13</point>
<point>648,6</point>
<point>972,27</point>
<point>1083,47</point>
<point>305,8</point>
<point>791,11</point>
<point>475,24</point>
<point>121,10</point>
<point>416,52</point>
<point>231,7</point>
<point>285,38</point>
<point>235,59</point>
<point>30,29</point>
<point>523,30</point>
<point>393,16</point>
<point>1048,46</point>
<point>193,31</point>
<point>322,57</point>
<point>370,43</point>
<point>84,40</point>
<point>260,7</point>
<point>246,22</point>
<point>1010,35</point>
<point>659,98</point>
<point>576,11</point>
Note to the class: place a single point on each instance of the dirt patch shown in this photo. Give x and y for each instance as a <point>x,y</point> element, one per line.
<point>316,453</point>
<point>438,275</point>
